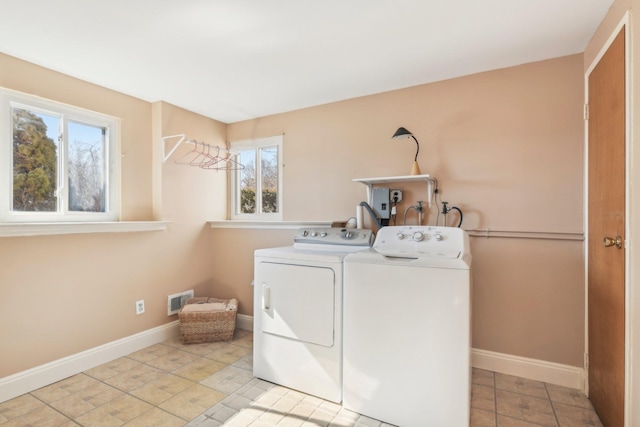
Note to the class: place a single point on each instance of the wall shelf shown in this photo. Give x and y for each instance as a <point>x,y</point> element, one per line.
<point>428,179</point>
<point>16,229</point>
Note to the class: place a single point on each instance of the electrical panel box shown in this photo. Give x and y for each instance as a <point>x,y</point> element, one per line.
<point>381,203</point>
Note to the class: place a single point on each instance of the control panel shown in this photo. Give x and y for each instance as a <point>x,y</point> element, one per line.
<point>417,241</point>
<point>334,236</point>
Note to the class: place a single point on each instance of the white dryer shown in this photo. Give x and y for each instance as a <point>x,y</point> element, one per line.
<point>298,310</point>
<point>407,327</point>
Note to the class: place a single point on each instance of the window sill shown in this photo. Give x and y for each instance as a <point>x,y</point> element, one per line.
<point>54,228</point>
<point>268,225</point>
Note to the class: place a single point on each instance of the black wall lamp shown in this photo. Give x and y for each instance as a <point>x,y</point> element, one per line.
<point>404,133</point>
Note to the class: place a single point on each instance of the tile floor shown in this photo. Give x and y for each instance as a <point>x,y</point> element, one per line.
<point>507,401</point>
<point>206,385</point>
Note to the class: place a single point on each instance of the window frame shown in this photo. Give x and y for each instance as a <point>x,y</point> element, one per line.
<point>249,144</point>
<point>9,100</point>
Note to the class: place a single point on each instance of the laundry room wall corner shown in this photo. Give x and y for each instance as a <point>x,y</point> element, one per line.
<point>506,146</point>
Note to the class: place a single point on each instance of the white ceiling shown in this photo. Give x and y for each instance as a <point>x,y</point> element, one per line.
<point>233,60</point>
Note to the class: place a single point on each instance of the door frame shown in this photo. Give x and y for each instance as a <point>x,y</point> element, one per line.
<point>624,23</point>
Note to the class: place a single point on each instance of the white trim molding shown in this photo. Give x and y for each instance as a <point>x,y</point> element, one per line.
<point>544,235</point>
<point>40,376</point>
<point>244,322</point>
<point>268,225</point>
<point>15,229</point>
<point>43,375</point>
<point>533,369</point>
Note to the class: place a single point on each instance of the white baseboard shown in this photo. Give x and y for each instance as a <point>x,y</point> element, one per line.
<point>539,370</point>
<point>244,322</point>
<point>43,375</point>
<point>40,376</point>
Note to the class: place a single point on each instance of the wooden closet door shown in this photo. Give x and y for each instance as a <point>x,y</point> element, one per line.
<point>606,211</point>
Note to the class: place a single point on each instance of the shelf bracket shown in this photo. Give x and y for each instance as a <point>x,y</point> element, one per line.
<point>165,155</point>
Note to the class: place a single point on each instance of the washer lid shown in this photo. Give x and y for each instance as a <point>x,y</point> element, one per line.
<point>424,246</point>
<point>461,262</point>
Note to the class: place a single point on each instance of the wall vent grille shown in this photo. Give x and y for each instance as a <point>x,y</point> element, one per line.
<point>176,301</point>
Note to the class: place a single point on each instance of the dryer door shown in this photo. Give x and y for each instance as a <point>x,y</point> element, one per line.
<point>296,301</point>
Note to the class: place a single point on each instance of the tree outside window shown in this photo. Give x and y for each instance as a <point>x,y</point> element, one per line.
<point>35,164</point>
<point>258,189</point>
<point>63,163</point>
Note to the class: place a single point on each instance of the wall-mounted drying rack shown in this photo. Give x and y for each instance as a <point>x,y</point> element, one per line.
<point>203,155</point>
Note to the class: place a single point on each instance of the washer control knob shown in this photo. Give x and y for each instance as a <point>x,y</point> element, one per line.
<point>348,235</point>
<point>400,236</point>
<point>438,237</point>
<point>418,236</point>
<point>323,234</point>
<point>314,234</point>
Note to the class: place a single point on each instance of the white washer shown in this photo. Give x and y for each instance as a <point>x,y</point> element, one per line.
<point>407,327</point>
<point>298,310</point>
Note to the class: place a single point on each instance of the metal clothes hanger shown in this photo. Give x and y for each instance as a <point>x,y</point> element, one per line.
<point>201,155</point>
<point>224,163</point>
<point>189,156</point>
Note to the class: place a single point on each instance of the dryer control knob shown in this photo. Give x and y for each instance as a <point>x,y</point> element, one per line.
<point>400,236</point>
<point>418,236</point>
<point>314,234</point>
<point>323,234</point>
<point>438,237</point>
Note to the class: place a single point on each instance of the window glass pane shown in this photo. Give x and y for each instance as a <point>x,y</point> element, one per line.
<point>35,161</point>
<point>248,182</point>
<point>87,167</point>
<point>269,176</point>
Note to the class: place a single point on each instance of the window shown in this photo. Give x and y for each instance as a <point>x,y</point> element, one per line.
<point>59,163</point>
<point>257,188</point>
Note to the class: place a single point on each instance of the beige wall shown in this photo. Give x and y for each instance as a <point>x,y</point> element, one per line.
<point>528,298</point>
<point>135,118</point>
<point>69,293</point>
<point>506,147</point>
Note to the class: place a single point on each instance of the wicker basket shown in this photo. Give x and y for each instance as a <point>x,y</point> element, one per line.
<point>207,326</point>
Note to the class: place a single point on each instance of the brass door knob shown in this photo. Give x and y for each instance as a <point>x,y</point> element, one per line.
<point>610,241</point>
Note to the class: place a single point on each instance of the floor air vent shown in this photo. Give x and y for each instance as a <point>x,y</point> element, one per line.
<point>176,301</point>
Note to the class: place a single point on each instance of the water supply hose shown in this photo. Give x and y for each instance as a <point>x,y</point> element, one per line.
<point>460,212</point>
<point>418,209</point>
<point>372,214</point>
<point>446,210</point>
